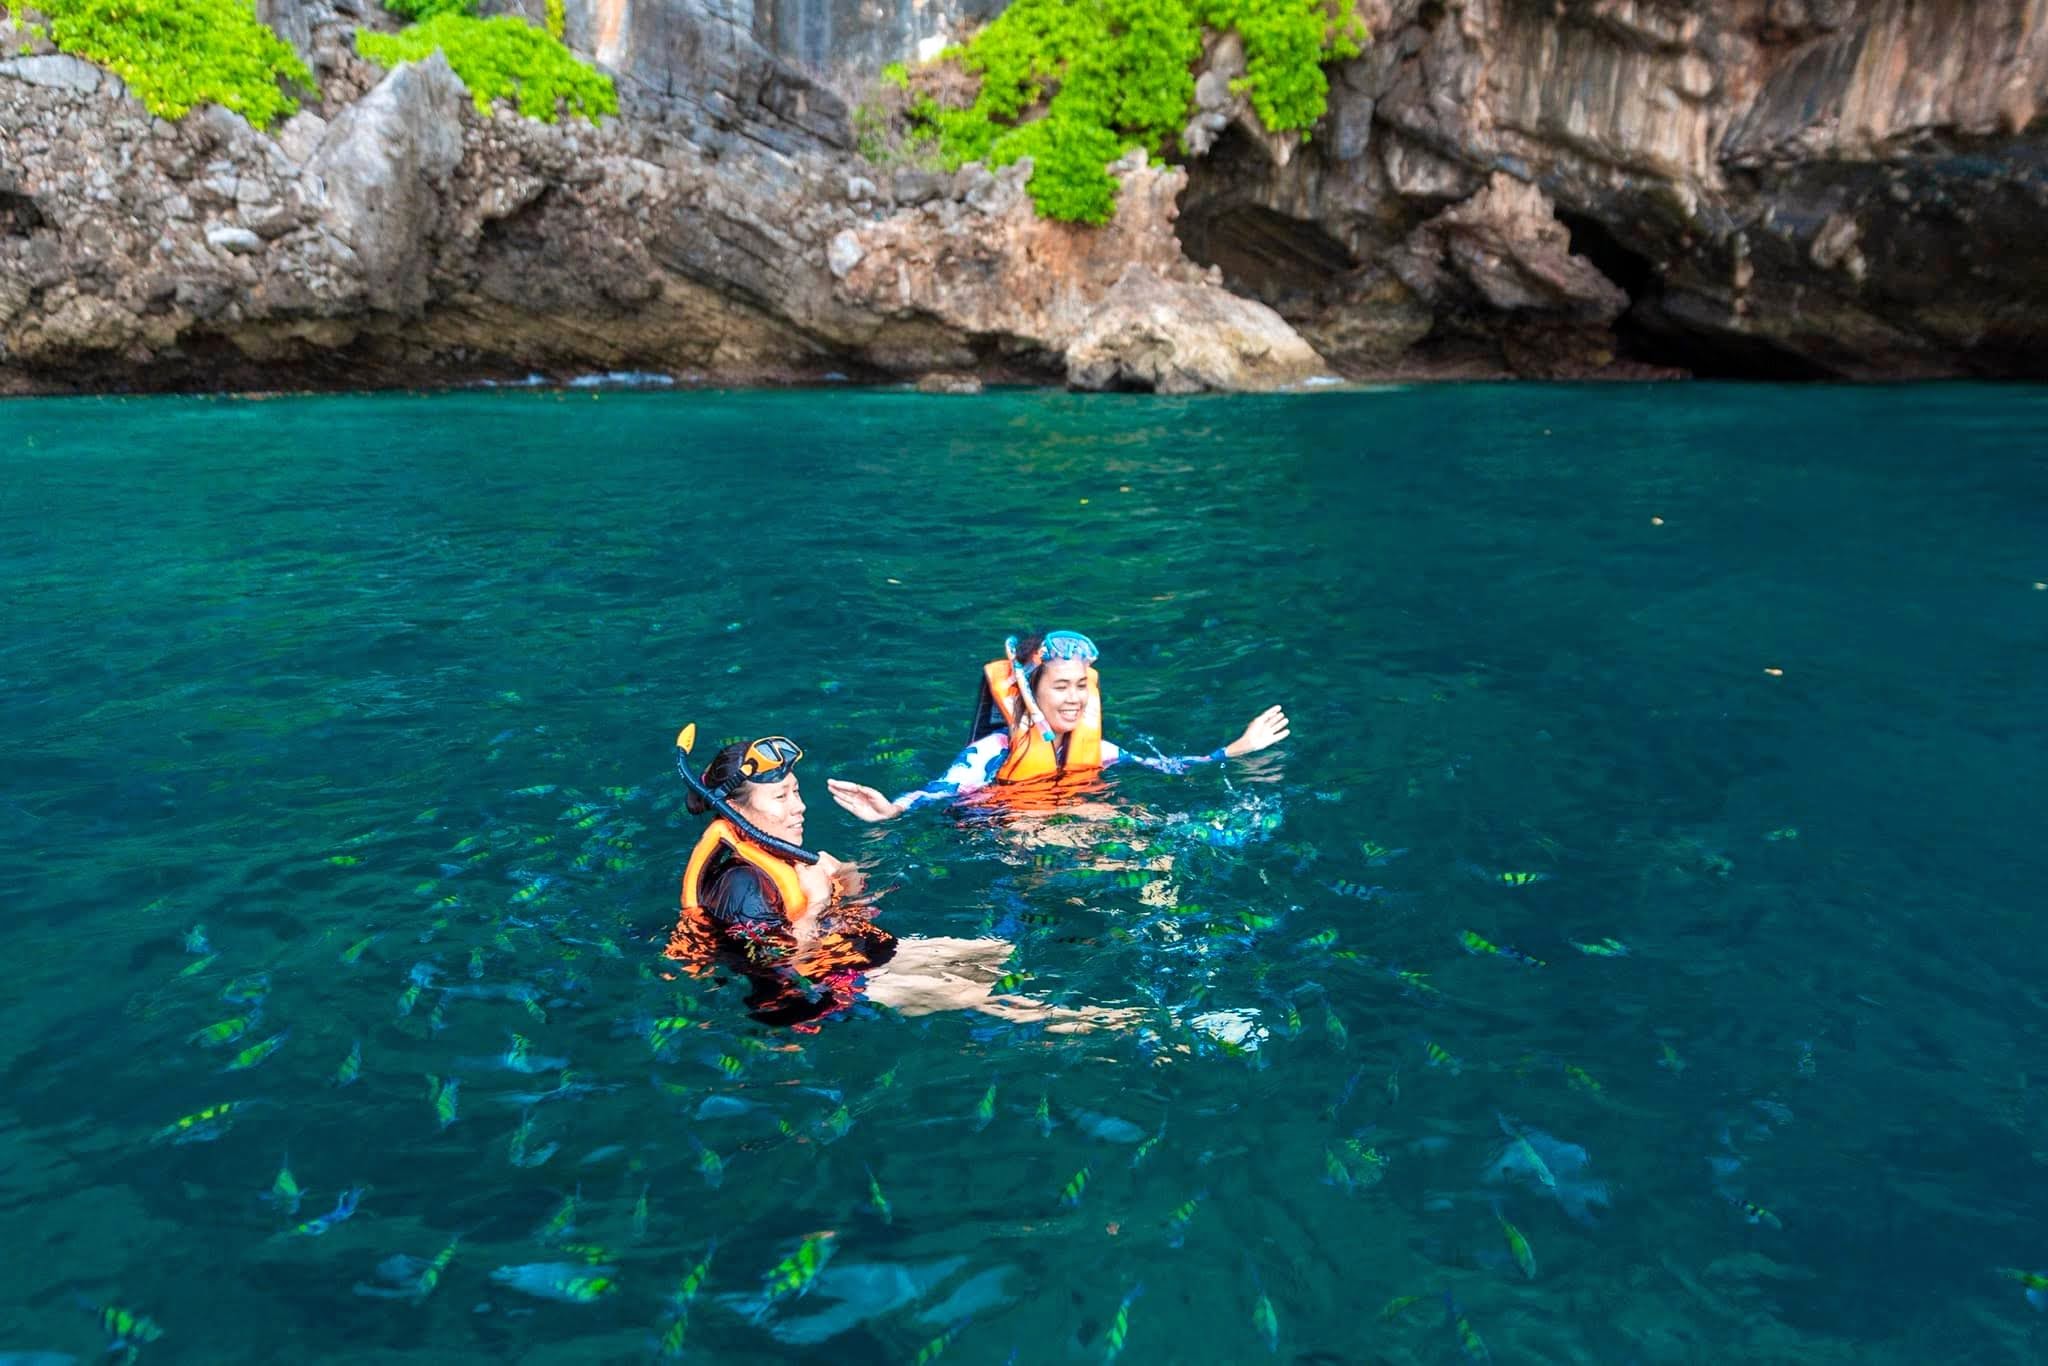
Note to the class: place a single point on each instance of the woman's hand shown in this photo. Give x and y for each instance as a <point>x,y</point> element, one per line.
<point>1268,728</point>
<point>863,802</point>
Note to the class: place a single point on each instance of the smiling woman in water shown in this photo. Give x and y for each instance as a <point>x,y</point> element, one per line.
<point>1037,736</point>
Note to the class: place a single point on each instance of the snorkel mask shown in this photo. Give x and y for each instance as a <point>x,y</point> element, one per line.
<point>767,760</point>
<point>1066,645</point>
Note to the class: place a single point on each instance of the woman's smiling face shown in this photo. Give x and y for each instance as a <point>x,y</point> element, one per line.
<point>777,807</point>
<point>1061,688</point>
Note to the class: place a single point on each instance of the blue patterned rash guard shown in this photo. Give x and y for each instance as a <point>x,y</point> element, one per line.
<point>975,768</point>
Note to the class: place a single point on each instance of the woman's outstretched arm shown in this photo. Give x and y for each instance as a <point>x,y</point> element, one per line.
<point>971,770</point>
<point>1268,728</point>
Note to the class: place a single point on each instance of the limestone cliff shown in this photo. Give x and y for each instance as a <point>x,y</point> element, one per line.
<point>1852,188</point>
<point>1825,187</point>
<point>389,234</point>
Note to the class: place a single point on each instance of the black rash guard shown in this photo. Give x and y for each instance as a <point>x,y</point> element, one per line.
<point>736,894</point>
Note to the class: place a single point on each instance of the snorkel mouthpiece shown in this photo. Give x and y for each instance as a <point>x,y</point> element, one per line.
<point>686,738</point>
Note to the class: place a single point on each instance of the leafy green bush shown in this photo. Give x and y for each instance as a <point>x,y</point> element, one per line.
<point>1285,46</point>
<point>558,19</point>
<point>1074,83</point>
<point>423,10</point>
<point>175,54</point>
<point>501,58</point>
<point>1067,154</point>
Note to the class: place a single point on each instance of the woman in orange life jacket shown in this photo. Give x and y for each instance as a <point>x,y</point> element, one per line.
<point>805,947</point>
<point>750,864</point>
<point>753,895</point>
<point>1037,736</point>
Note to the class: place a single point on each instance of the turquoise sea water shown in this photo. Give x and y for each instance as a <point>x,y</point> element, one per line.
<point>1750,679</point>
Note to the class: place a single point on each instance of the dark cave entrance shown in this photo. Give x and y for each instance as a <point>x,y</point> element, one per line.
<point>1648,334</point>
<point>1262,253</point>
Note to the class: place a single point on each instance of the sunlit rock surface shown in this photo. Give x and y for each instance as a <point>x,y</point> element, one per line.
<point>1622,187</point>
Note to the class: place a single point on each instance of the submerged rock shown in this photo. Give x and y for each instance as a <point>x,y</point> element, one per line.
<point>845,1296</point>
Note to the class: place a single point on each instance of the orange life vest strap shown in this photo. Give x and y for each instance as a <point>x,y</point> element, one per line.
<point>721,834</point>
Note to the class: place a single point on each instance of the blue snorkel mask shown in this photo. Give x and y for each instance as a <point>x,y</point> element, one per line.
<point>1067,645</point>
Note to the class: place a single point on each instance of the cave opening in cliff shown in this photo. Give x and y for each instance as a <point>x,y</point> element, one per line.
<point>1648,334</point>
<point>1262,253</point>
<point>1593,240</point>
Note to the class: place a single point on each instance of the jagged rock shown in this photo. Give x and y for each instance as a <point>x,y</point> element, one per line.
<point>239,241</point>
<point>1505,245</point>
<point>293,21</point>
<point>299,136</point>
<point>56,71</point>
<point>1001,189</point>
<point>383,163</point>
<point>912,186</point>
<point>219,187</point>
<point>1835,245</point>
<point>971,180</point>
<point>1415,172</point>
<point>533,11</point>
<point>949,382</point>
<point>1212,89</point>
<point>844,253</point>
<point>1174,337</point>
<point>1120,305</point>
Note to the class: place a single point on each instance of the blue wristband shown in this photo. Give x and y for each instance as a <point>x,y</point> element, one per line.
<point>1217,756</point>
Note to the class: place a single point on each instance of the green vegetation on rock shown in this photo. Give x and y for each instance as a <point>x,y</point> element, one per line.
<point>1075,83</point>
<point>498,58</point>
<point>422,10</point>
<point>177,54</point>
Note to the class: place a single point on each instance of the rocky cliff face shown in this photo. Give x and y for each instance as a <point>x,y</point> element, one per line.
<point>1782,187</point>
<point>1853,188</point>
<point>388,234</point>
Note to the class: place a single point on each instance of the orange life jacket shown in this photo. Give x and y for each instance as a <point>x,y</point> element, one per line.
<point>722,834</point>
<point>1034,761</point>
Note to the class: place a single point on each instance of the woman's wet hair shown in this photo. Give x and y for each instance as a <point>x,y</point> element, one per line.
<point>719,775</point>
